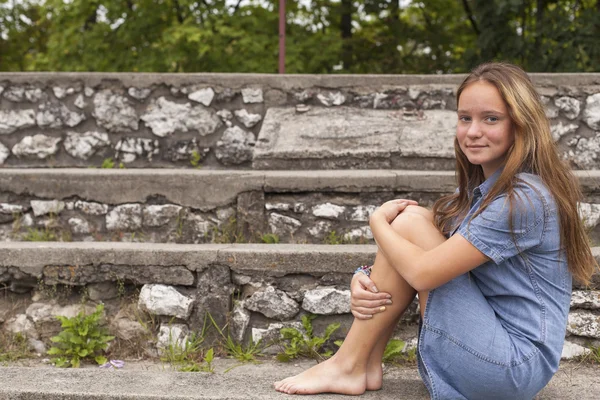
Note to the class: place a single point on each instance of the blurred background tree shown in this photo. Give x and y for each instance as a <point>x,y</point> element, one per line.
<point>323,36</point>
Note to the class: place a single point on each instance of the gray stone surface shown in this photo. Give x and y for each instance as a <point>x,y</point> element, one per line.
<point>114,112</point>
<point>569,106</point>
<point>4,153</point>
<point>56,115</point>
<point>252,95</point>
<point>246,118</point>
<point>327,301</point>
<point>203,96</point>
<point>235,147</point>
<point>158,215</point>
<point>43,207</point>
<point>165,117</point>
<point>588,299</point>
<point>340,136</point>
<point>130,148</point>
<point>85,145</point>
<point>172,336</point>
<point>240,318</point>
<point>584,323</point>
<point>328,210</point>
<point>272,303</point>
<point>142,381</point>
<point>12,120</point>
<point>126,217</point>
<point>572,350</point>
<point>559,130</point>
<point>38,146</point>
<point>591,114</point>
<point>79,226</point>
<point>165,300</point>
<point>282,224</point>
<point>98,271</point>
<point>102,290</point>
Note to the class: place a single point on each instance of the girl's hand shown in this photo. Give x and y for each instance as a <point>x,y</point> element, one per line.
<point>390,209</point>
<point>365,300</point>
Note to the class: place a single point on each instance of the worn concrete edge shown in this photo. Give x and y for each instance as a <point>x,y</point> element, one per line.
<point>208,189</point>
<point>276,81</point>
<point>267,259</point>
<point>270,259</point>
<point>572,381</point>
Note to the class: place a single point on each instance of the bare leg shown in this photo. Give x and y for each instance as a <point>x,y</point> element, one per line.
<point>346,371</point>
<point>423,237</point>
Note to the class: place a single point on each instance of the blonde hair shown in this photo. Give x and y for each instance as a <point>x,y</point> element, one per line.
<point>534,151</point>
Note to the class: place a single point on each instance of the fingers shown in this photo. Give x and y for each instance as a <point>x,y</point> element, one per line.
<point>367,283</point>
<point>358,315</point>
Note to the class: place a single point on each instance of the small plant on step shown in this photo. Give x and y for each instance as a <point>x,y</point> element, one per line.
<point>195,159</point>
<point>334,238</point>
<point>269,238</point>
<point>82,338</point>
<point>247,353</point>
<point>307,345</point>
<point>13,347</point>
<point>188,355</point>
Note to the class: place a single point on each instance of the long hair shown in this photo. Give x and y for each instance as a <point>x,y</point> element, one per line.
<point>534,151</point>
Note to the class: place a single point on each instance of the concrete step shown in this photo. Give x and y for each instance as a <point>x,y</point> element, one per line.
<point>206,189</point>
<point>185,206</point>
<point>71,262</point>
<point>248,381</point>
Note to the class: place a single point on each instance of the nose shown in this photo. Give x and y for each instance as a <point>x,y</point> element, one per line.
<point>474,130</point>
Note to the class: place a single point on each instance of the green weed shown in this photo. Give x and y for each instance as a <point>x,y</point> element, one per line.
<point>227,233</point>
<point>236,350</point>
<point>269,238</point>
<point>334,238</point>
<point>109,163</point>
<point>81,338</point>
<point>189,356</point>
<point>195,159</point>
<point>13,347</point>
<point>307,345</point>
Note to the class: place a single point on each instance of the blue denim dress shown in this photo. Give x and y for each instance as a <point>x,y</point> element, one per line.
<point>497,332</point>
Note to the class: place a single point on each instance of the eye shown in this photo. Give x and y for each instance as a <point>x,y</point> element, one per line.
<point>492,119</point>
<point>464,118</point>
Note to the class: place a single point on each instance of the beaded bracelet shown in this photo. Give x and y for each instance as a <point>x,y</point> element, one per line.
<point>365,269</point>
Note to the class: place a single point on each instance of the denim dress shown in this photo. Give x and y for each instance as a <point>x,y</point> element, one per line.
<point>497,332</point>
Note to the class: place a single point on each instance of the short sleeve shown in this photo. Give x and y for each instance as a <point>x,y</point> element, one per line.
<point>490,231</point>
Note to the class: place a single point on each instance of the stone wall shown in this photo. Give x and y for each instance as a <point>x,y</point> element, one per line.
<point>261,121</point>
<point>254,290</point>
<point>204,207</point>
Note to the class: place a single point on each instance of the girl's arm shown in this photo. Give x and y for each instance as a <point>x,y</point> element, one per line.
<point>423,270</point>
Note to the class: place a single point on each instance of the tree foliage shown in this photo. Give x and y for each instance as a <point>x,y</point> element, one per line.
<point>322,36</point>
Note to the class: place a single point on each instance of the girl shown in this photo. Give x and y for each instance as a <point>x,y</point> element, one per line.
<point>492,264</point>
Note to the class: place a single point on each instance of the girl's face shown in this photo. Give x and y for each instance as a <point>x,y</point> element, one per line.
<point>484,130</point>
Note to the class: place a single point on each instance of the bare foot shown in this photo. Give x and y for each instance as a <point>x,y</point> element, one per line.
<point>331,376</point>
<point>374,375</point>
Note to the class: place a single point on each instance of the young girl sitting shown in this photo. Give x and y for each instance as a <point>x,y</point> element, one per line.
<point>492,264</point>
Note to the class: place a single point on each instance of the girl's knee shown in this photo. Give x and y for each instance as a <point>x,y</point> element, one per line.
<point>407,220</point>
<point>419,210</point>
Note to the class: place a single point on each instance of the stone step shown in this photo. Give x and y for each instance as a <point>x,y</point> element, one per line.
<point>201,206</point>
<point>207,189</point>
<point>248,381</point>
<point>80,263</point>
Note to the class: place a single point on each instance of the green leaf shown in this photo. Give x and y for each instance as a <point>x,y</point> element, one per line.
<point>393,349</point>
<point>54,351</point>
<point>209,356</point>
<point>76,340</point>
<point>100,360</point>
